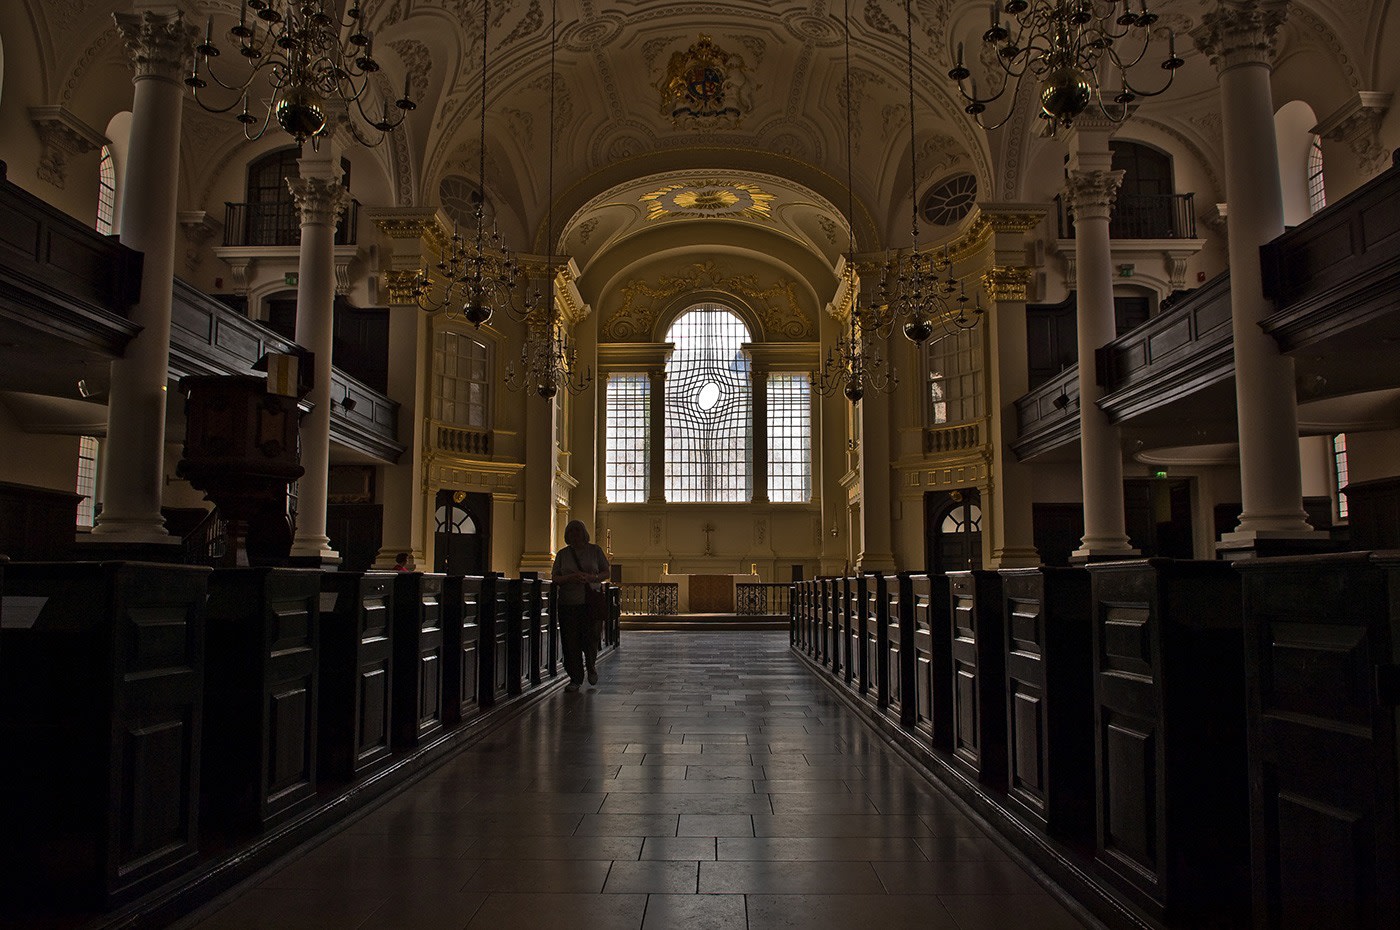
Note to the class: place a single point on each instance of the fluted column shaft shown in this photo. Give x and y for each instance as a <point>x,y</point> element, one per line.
<point>321,198</point>
<point>1091,189</point>
<point>160,45</point>
<point>1239,38</point>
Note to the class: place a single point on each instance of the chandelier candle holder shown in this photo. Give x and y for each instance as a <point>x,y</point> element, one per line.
<point>549,358</point>
<point>472,279</point>
<point>1078,51</point>
<point>912,288</point>
<point>296,47</point>
<point>855,363</point>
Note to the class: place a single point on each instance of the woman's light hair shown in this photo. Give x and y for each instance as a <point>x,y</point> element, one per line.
<point>576,526</point>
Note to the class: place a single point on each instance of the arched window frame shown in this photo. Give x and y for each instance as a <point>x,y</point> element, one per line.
<point>1317,184</point>
<point>709,457</point>
<point>106,192</point>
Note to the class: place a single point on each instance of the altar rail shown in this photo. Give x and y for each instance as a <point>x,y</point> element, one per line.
<point>653,599</point>
<point>765,599</point>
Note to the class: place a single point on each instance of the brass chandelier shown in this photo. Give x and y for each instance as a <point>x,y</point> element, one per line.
<point>855,363</point>
<point>1072,49</point>
<point>296,46</point>
<point>549,358</point>
<point>913,289</point>
<point>474,277</point>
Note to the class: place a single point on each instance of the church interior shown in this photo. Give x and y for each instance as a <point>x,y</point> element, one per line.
<point>1033,366</point>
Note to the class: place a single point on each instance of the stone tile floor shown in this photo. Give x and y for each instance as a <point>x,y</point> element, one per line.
<point>710,782</point>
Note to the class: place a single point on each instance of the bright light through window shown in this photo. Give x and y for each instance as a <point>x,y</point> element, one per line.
<point>789,438</point>
<point>709,425</point>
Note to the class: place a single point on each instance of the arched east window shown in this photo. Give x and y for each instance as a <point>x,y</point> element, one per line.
<point>106,192</point>
<point>709,423</point>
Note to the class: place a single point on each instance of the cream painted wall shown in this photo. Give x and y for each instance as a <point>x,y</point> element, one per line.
<point>35,459</point>
<point>1373,455</point>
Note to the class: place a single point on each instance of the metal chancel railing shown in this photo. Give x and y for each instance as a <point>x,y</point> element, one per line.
<point>764,599</point>
<point>653,599</point>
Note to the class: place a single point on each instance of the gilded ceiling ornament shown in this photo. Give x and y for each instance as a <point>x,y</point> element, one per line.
<point>705,87</point>
<point>776,304</point>
<point>739,200</point>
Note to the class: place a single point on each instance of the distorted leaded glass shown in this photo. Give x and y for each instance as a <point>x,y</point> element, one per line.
<point>709,427</point>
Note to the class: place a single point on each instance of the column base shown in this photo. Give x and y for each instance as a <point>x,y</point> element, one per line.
<point>384,560</point>
<point>1102,554</point>
<point>1259,544</point>
<point>149,530</point>
<point>883,563</point>
<point>113,549</point>
<point>313,551</point>
<point>1015,558</point>
<point>540,562</point>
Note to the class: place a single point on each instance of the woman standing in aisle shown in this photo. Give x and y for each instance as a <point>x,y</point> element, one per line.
<point>580,569</point>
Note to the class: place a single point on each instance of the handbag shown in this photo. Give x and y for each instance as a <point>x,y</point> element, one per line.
<point>595,602</point>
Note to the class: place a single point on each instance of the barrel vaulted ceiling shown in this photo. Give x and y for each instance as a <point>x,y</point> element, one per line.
<point>615,141</point>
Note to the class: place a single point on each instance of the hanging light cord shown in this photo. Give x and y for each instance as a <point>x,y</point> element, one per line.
<point>481,148</point>
<point>850,158</point>
<point>913,148</point>
<point>549,215</point>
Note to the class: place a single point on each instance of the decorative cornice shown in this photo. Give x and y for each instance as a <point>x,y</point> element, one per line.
<point>401,285</point>
<point>161,45</point>
<point>414,223</point>
<point>199,227</point>
<point>1241,32</point>
<point>63,136</point>
<point>1008,282</point>
<point>320,200</point>
<point>642,302</point>
<point>1091,194</point>
<point>1357,123</point>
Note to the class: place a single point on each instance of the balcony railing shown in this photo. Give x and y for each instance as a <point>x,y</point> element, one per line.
<point>1141,216</point>
<point>279,223</point>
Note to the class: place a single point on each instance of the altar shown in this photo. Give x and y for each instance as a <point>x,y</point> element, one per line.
<point>707,594</point>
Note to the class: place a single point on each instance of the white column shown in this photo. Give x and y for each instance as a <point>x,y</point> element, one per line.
<point>401,487</point>
<point>1239,38</point>
<point>876,454</point>
<point>1091,189</point>
<point>160,45</point>
<point>321,198</point>
<point>1009,519</point>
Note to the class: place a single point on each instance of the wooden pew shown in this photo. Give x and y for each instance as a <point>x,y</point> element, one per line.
<point>357,629</point>
<point>418,658</point>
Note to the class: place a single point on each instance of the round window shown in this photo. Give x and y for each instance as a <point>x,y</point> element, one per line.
<point>708,396</point>
<point>950,199</point>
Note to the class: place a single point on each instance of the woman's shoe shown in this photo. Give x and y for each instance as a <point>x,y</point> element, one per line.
<point>572,686</point>
<point>592,676</point>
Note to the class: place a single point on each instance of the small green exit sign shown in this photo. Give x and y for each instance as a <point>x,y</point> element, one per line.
<point>291,278</point>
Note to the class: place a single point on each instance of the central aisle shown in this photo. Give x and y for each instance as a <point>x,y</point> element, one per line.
<point>710,781</point>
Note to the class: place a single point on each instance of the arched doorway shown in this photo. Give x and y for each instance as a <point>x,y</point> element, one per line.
<point>953,530</point>
<point>462,533</point>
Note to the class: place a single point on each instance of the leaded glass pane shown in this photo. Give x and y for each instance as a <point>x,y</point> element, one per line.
<point>789,438</point>
<point>628,438</point>
<point>955,377</point>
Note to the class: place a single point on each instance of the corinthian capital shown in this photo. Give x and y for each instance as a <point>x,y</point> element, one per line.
<point>1008,282</point>
<point>161,45</point>
<point>1241,32</point>
<point>1091,193</point>
<point>320,200</point>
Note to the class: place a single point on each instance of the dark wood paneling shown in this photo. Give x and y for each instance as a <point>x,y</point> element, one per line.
<point>1373,512</point>
<point>853,640</point>
<point>418,658</point>
<point>1171,798</point>
<point>979,675</point>
<point>1049,688</point>
<point>357,631</point>
<point>101,713</point>
<point>899,650</point>
<point>37,523</point>
<point>261,697</point>
<point>1321,636</point>
<point>933,658</point>
<point>874,639</point>
<point>464,598</point>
